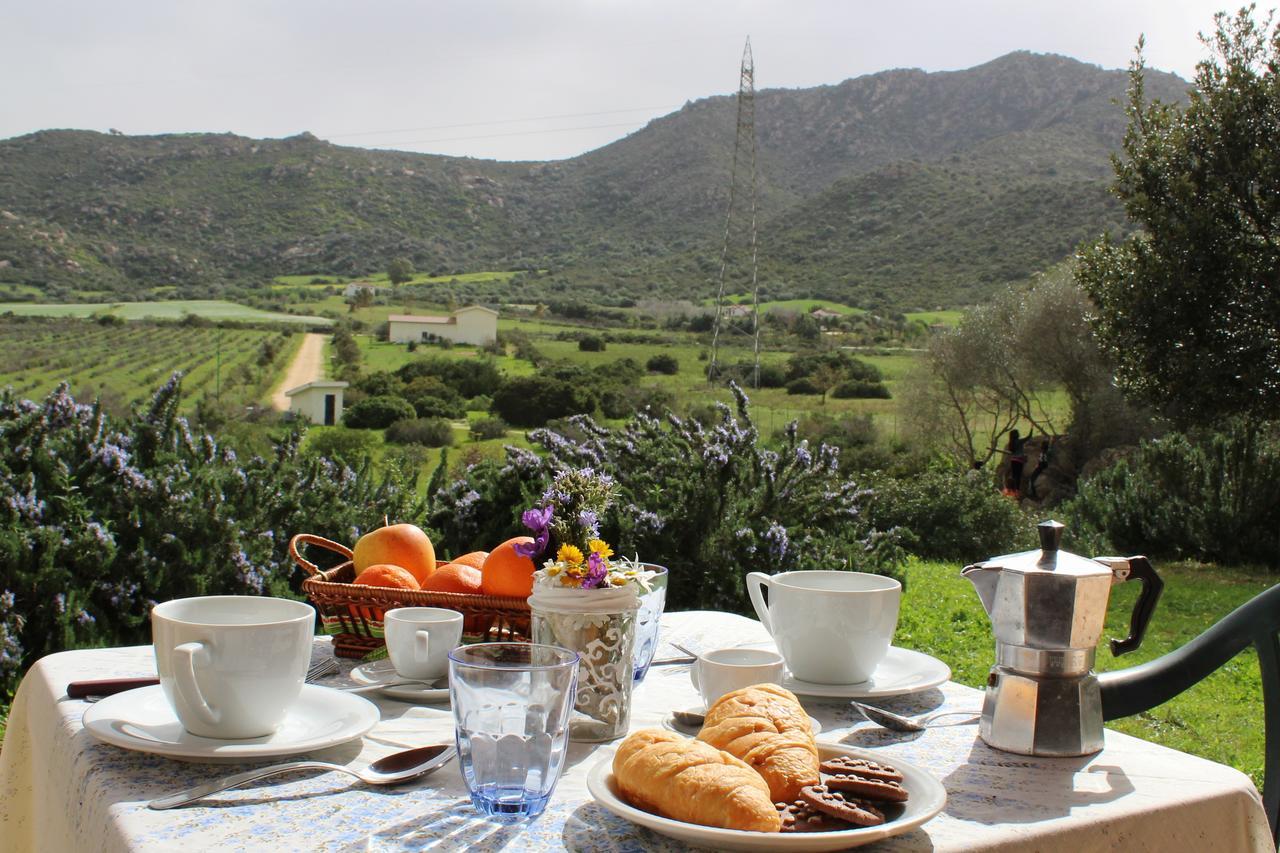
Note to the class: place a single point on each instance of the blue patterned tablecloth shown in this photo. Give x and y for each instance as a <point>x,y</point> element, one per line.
<point>62,790</point>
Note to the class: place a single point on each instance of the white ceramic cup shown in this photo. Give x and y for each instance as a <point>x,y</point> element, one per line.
<point>231,665</point>
<point>419,640</point>
<point>832,627</point>
<point>722,671</point>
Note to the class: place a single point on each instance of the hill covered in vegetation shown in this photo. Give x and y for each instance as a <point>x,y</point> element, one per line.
<point>902,188</point>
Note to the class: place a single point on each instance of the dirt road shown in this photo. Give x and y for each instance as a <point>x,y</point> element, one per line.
<point>308,366</point>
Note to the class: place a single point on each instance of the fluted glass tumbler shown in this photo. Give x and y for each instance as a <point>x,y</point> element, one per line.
<point>648,620</point>
<point>511,706</point>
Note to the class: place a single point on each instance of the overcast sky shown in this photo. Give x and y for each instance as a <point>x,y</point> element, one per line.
<point>508,79</point>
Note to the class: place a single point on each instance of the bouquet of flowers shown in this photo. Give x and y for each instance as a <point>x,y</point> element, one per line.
<point>566,530</point>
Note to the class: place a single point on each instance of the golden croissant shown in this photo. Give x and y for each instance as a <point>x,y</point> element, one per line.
<point>765,726</point>
<point>690,781</point>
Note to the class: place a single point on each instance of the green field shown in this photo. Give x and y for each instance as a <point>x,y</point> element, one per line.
<point>800,306</point>
<point>936,318</point>
<point>127,363</point>
<point>281,282</point>
<point>210,309</point>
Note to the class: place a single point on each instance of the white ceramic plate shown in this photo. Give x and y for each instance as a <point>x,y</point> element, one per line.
<point>902,671</point>
<point>381,671</point>
<point>670,724</point>
<point>143,720</point>
<point>927,799</point>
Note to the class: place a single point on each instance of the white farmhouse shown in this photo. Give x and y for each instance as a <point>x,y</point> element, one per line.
<point>319,402</point>
<point>474,324</point>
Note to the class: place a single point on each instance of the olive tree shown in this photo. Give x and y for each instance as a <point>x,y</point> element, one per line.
<point>1189,308</point>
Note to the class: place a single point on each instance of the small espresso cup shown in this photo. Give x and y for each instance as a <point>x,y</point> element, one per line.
<point>419,640</point>
<point>833,627</point>
<point>722,671</point>
<point>231,665</point>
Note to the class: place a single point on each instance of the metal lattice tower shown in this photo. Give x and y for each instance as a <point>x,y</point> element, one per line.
<point>740,225</point>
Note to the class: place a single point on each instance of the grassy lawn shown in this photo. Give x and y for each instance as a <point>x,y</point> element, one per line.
<point>936,318</point>
<point>1219,719</point>
<point>213,309</point>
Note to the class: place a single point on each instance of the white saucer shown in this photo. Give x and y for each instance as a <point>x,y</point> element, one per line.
<point>927,797</point>
<point>669,723</point>
<point>144,721</point>
<point>381,671</point>
<point>902,671</point>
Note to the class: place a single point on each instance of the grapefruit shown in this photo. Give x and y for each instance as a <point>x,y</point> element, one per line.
<point>453,577</point>
<point>385,574</point>
<point>506,573</point>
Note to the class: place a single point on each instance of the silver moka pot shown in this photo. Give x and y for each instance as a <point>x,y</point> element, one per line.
<point>1047,610</point>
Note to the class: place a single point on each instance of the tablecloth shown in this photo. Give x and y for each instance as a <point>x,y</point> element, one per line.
<point>61,790</point>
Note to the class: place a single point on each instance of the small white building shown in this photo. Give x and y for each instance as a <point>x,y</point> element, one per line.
<point>319,402</point>
<point>474,324</point>
<point>356,287</point>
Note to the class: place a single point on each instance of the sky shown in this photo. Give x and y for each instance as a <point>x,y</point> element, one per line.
<point>509,79</point>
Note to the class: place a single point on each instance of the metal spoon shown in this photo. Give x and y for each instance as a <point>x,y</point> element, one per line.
<point>431,684</point>
<point>390,770</point>
<point>689,718</point>
<point>899,723</point>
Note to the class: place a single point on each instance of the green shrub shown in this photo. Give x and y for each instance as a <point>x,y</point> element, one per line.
<point>591,343</point>
<point>429,432</point>
<point>1212,496</point>
<point>488,428</point>
<point>352,447</point>
<point>377,413</point>
<point>859,389</point>
<point>531,401</point>
<point>947,514</point>
<point>429,406</point>
<point>663,363</point>
<point>803,385</point>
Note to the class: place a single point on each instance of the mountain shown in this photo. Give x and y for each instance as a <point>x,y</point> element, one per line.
<point>901,188</point>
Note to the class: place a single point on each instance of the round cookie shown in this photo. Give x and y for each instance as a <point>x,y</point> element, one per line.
<point>802,817</point>
<point>845,764</point>
<point>837,804</point>
<point>875,790</point>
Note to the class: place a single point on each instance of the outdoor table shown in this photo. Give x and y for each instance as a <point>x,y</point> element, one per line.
<point>62,790</point>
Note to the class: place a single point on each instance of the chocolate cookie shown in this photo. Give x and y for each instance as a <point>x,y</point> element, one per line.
<point>845,764</point>
<point>875,790</point>
<point>802,817</point>
<point>843,806</point>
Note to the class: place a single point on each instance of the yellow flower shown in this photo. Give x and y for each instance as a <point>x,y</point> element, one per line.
<point>569,554</point>
<point>599,546</point>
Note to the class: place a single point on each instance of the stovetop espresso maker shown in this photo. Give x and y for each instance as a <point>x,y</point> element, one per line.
<point>1048,609</point>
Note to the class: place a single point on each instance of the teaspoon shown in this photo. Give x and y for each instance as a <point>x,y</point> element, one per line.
<point>389,770</point>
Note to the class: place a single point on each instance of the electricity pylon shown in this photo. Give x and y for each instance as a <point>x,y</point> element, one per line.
<point>740,225</point>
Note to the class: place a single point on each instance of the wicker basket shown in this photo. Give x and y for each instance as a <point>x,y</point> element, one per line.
<point>352,613</point>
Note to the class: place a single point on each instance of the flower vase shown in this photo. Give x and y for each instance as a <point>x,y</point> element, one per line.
<point>600,625</point>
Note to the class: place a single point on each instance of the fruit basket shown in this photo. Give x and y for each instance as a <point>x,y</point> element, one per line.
<point>352,613</point>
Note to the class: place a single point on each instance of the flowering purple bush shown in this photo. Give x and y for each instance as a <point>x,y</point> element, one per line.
<point>100,520</point>
<point>708,502</point>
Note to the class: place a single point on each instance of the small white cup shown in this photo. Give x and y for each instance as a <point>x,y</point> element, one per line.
<point>722,671</point>
<point>833,627</point>
<point>231,665</point>
<point>419,640</point>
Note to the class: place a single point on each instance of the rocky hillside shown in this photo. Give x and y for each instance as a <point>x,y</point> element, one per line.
<point>899,188</point>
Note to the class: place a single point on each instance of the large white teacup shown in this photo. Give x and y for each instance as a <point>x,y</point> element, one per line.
<point>231,665</point>
<point>419,640</point>
<point>722,671</point>
<point>832,627</point>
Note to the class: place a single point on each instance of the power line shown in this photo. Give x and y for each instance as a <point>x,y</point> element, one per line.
<point>499,121</point>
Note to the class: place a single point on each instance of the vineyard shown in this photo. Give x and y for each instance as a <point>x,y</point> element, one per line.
<point>125,362</point>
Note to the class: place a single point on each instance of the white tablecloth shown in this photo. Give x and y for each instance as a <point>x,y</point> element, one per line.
<point>61,790</point>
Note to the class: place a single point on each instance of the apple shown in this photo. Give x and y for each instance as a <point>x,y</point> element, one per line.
<point>403,545</point>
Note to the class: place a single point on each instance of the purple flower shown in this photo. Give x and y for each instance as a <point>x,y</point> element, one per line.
<point>596,572</point>
<point>538,521</point>
<point>587,521</point>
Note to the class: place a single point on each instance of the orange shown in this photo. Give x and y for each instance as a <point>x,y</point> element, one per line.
<point>401,545</point>
<point>453,577</point>
<point>385,574</point>
<point>474,559</point>
<point>506,573</point>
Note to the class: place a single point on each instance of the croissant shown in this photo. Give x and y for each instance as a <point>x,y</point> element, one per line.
<point>765,726</point>
<point>690,781</point>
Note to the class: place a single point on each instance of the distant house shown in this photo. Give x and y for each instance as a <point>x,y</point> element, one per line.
<point>474,324</point>
<point>824,314</point>
<point>355,287</point>
<point>737,310</point>
<point>319,402</point>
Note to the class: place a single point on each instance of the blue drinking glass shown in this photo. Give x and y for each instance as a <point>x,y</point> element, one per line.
<point>511,707</point>
<point>648,617</point>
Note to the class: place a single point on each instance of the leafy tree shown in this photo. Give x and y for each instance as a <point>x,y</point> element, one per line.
<point>400,270</point>
<point>1190,309</point>
<point>378,413</point>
